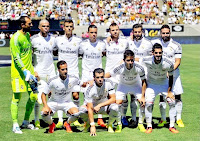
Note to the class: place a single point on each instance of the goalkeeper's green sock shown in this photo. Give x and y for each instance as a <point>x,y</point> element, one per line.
<point>29,107</point>
<point>14,106</point>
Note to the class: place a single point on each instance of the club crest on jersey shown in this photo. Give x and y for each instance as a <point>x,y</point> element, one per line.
<point>74,44</point>
<point>99,49</point>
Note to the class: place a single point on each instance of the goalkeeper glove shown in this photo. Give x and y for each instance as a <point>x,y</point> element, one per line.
<point>32,80</point>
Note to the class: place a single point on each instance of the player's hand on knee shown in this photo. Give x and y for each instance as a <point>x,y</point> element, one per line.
<point>170,95</point>
<point>142,101</point>
<point>93,130</point>
<point>46,110</point>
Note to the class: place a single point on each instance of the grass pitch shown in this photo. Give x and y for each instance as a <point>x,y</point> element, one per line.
<point>190,69</point>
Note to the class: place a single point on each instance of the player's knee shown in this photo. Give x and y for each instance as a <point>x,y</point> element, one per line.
<point>171,103</point>
<point>149,106</point>
<point>133,98</point>
<point>83,109</point>
<point>115,108</point>
<point>163,105</point>
<point>33,97</point>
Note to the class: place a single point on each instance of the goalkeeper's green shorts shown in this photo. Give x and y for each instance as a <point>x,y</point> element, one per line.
<point>20,85</point>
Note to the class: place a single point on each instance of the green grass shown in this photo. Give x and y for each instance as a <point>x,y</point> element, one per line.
<point>4,51</point>
<point>190,69</point>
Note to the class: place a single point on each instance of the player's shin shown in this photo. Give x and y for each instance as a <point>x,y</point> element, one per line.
<point>148,113</point>
<point>29,106</point>
<point>37,111</point>
<point>113,114</point>
<point>162,106</point>
<point>141,115</point>
<point>14,106</point>
<point>178,106</point>
<point>60,116</point>
<point>124,107</point>
<point>172,112</point>
<point>133,106</point>
<point>119,114</point>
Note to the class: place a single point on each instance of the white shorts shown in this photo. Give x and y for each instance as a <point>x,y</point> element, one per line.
<point>87,76</point>
<point>177,85</point>
<point>41,86</point>
<point>55,106</point>
<point>123,89</point>
<point>153,90</point>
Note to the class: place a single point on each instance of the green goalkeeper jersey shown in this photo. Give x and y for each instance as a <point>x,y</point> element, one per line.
<point>21,53</point>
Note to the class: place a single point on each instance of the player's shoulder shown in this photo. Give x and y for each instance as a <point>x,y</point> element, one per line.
<point>146,40</point>
<point>100,41</point>
<point>52,79</point>
<point>139,66</point>
<point>175,43</point>
<point>77,37</point>
<point>84,41</point>
<point>157,40</point>
<point>119,68</point>
<point>167,61</point>
<point>73,77</point>
<point>148,58</point>
<point>89,89</point>
<point>108,82</point>
<point>34,36</point>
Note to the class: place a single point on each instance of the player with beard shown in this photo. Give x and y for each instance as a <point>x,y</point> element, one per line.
<point>132,80</point>
<point>22,73</point>
<point>158,68</point>
<point>141,47</point>
<point>173,51</point>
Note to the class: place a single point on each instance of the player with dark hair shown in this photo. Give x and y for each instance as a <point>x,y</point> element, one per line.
<point>173,51</point>
<point>22,73</point>
<point>158,68</point>
<point>132,80</point>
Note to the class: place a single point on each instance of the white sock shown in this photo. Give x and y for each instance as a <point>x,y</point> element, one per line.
<point>133,106</point>
<point>141,115</point>
<point>178,106</point>
<point>100,116</point>
<point>37,111</point>
<point>162,106</point>
<point>124,107</point>
<point>60,115</point>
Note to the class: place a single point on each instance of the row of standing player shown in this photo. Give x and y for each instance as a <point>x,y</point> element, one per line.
<point>70,46</point>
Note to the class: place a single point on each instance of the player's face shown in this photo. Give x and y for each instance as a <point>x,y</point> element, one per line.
<point>129,62</point>
<point>93,34</point>
<point>63,71</point>
<point>165,34</point>
<point>114,31</point>
<point>44,27</point>
<point>27,26</point>
<point>157,53</point>
<point>99,78</point>
<point>68,28</point>
<point>137,33</point>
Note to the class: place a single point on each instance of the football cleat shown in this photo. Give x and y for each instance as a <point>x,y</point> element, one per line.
<point>180,123</point>
<point>68,127</point>
<point>37,124</point>
<point>141,127</point>
<point>110,129</point>
<point>76,123</point>
<point>16,129</point>
<point>52,127</point>
<point>59,124</point>
<point>132,124</point>
<point>101,122</point>
<point>162,123</point>
<point>119,128</point>
<point>27,125</point>
<point>124,121</point>
<point>149,130</point>
<point>173,130</point>
<point>86,127</point>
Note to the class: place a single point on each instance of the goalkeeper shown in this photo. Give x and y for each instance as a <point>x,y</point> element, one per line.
<point>22,71</point>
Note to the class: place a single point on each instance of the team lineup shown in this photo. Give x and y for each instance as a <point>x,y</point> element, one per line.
<point>134,65</point>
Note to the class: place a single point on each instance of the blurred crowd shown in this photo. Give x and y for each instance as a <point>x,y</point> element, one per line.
<point>104,12</point>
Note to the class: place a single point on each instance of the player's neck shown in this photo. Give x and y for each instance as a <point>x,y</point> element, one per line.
<point>43,34</point>
<point>93,41</point>
<point>22,31</point>
<point>115,39</point>
<point>68,35</point>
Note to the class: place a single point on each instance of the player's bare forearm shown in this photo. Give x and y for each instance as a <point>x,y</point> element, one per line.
<point>177,63</point>
<point>44,100</point>
<point>90,112</point>
<point>144,86</point>
<point>112,99</point>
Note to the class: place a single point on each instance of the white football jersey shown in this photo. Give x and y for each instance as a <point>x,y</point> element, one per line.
<point>61,90</point>
<point>68,51</point>
<point>96,95</point>
<point>92,54</point>
<point>43,54</point>
<point>131,76</point>
<point>157,73</point>
<point>115,53</point>
<point>141,48</point>
<point>171,49</point>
